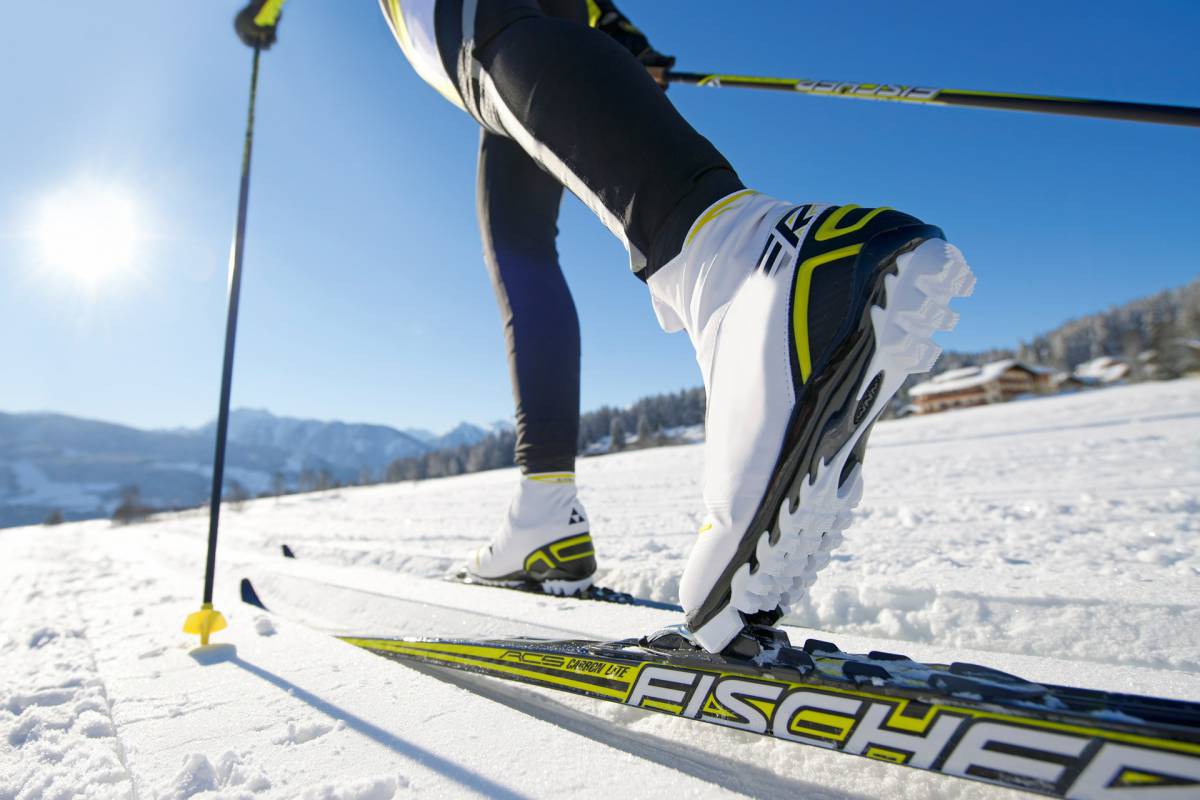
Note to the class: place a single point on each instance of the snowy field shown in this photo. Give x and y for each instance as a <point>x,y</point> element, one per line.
<point>1055,538</point>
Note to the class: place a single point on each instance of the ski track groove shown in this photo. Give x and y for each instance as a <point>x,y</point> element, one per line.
<point>122,752</point>
<point>73,692</point>
<point>748,780</point>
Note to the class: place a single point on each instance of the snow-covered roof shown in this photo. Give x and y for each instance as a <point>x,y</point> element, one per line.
<point>955,380</point>
<point>1105,369</point>
<point>954,374</point>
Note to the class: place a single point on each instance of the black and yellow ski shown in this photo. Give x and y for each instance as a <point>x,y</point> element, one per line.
<point>958,719</point>
<point>600,594</point>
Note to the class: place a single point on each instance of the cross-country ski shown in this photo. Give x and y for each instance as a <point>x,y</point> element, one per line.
<point>960,719</point>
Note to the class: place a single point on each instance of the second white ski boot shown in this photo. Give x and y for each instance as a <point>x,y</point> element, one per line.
<point>544,543</point>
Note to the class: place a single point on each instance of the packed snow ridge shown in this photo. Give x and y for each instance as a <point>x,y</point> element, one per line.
<point>1056,538</point>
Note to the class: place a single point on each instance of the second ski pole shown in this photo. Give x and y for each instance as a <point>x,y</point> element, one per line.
<point>967,98</point>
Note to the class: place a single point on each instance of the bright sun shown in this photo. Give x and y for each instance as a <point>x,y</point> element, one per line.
<point>88,234</point>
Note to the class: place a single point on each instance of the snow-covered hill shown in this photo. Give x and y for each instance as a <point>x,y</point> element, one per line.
<point>1055,538</point>
<point>79,467</point>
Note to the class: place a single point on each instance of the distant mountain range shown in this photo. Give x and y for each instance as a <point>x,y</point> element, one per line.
<point>80,467</point>
<point>464,434</point>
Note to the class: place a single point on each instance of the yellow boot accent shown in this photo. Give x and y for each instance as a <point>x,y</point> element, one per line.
<point>800,303</point>
<point>551,477</point>
<point>204,622</point>
<point>715,211</point>
<point>829,228</point>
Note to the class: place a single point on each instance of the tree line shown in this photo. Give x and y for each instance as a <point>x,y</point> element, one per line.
<point>649,419</point>
<point>1155,329</point>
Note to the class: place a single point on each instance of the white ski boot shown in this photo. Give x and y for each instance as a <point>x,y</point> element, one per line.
<point>806,319</point>
<point>544,542</point>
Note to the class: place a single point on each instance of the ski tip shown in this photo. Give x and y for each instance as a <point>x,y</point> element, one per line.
<point>287,551</point>
<point>250,596</point>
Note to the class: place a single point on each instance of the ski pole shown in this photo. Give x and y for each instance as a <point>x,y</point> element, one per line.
<point>924,95</point>
<point>208,620</point>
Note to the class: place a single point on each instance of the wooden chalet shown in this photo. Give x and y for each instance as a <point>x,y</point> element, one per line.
<point>997,382</point>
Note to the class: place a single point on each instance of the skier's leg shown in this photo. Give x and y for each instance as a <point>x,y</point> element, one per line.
<point>544,540</point>
<point>518,213</point>
<point>589,113</point>
<point>806,319</point>
<point>580,105</point>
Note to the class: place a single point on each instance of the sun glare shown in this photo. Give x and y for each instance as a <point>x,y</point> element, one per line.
<point>88,234</point>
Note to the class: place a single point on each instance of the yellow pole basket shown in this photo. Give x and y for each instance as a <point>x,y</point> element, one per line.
<point>204,622</point>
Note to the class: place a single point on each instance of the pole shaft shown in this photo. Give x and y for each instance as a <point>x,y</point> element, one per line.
<point>235,286</point>
<point>1043,104</point>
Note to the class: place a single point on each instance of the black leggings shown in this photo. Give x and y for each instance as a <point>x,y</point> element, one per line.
<point>518,215</point>
<point>564,105</point>
<point>586,110</point>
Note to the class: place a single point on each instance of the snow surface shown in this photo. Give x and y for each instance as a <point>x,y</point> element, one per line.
<point>1057,538</point>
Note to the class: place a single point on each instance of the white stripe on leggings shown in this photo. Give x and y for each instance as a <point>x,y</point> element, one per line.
<point>549,161</point>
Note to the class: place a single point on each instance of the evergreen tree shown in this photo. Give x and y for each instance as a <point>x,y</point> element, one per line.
<point>236,495</point>
<point>131,508</point>
<point>324,479</point>
<point>645,435</point>
<point>616,433</point>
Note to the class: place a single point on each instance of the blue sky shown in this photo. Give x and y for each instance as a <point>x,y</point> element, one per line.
<point>365,297</point>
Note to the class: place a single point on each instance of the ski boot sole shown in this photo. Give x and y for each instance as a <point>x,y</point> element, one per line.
<point>559,588</point>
